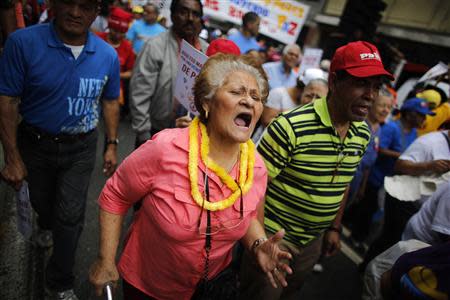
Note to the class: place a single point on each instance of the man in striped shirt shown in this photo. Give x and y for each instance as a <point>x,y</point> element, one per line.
<point>311,153</point>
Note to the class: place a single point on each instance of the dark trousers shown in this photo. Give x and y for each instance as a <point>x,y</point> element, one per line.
<point>396,215</point>
<point>362,212</point>
<point>59,172</point>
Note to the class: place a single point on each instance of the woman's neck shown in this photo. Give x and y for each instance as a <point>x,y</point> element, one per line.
<point>224,153</point>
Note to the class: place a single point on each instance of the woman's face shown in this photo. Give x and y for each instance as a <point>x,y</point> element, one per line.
<point>380,109</point>
<point>313,91</point>
<point>235,108</point>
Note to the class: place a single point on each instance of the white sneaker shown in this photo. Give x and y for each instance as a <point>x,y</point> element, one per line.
<point>66,295</point>
<point>318,268</point>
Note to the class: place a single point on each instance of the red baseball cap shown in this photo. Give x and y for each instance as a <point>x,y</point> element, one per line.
<point>119,19</point>
<point>222,46</point>
<point>359,59</point>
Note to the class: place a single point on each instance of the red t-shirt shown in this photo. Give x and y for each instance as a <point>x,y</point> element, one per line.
<point>124,51</point>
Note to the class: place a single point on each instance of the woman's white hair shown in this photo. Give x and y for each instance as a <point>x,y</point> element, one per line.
<point>215,72</point>
<point>220,71</point>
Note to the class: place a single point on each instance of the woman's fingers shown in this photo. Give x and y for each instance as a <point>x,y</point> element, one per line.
<point>272,279</point>
<point>277,236</point>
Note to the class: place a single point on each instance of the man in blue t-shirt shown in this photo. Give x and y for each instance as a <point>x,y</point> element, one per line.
<point>143,29</point>
<point>56,76</point>
<point>245,39</point>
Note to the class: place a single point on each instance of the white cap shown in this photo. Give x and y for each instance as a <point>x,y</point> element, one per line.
<point>313,73</point>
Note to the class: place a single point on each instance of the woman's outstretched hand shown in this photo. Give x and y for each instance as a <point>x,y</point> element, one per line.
<point>273,261</point>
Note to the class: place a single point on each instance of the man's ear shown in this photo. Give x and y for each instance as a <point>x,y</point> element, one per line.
<point>332,81</point>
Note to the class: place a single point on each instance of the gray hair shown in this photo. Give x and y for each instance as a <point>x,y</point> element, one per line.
<point>385,92</point>
<point>318,81</point>
<point>291,46</point>
<point>221,71</point>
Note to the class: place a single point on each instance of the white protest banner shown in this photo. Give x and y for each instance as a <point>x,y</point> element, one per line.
<point>280,20</point>
<point>311,59</point>
<point>435,71</point>
<point>190,63</point>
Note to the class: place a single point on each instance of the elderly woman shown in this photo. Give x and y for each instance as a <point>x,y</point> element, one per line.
<point>202,189</point>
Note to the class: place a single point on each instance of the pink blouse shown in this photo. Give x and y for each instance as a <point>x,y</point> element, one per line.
<point>164,253</point>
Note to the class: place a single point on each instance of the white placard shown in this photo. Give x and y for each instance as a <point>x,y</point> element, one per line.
<point>435,71</point>
<point>24,211</point>
<point>280,20</point>
<point>189,65</point>
<point>311,59</point>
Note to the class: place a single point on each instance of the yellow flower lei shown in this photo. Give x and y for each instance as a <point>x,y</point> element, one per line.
<point>247,162</point>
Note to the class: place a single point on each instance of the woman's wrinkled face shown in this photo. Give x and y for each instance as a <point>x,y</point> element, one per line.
<point>235,108</point>
<point>312,92</point>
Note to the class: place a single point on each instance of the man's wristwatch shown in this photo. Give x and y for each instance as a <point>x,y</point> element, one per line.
<point>112,142</point>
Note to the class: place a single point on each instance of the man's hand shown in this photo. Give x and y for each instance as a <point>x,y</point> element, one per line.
<point>273,261</point>
<point>110,160</point>
<point>331,243</point>
<point>183,122</point>
<point>14,172</point>
<point>439,166</point>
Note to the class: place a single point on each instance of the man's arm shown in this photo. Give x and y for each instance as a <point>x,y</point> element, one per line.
<point>142,87</point>
<point>332,237</point>
<point>407,167</point>
<point>14,171</point>
<point>111,114</point>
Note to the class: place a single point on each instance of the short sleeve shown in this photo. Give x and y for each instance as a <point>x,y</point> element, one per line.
<point>132,180</point>
<point>12,68</point>
<point>277,145</point>
<point>418,151</point>
<point>131,33</point>
<point>389,138</point>
<point>112,87</point>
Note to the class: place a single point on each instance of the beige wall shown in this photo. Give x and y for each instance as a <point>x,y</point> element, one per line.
<point>433,15</point>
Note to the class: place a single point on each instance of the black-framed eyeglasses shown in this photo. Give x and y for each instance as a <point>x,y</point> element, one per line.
<point>209,229</point>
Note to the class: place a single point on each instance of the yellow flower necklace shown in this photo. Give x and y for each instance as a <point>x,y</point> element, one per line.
<point>247,162</point>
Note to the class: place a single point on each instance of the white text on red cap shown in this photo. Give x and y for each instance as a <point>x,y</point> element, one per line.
<point>374,55</point>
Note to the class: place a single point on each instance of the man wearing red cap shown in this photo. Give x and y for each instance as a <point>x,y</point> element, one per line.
<point>118,23</point>
<point>311,154</point>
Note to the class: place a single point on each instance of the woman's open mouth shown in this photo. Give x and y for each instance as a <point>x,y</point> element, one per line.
<point>243,120</point>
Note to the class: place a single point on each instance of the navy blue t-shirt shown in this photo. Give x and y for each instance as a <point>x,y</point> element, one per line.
<point>59,94</point>
<point>423,274</point>
<point>392,138</point>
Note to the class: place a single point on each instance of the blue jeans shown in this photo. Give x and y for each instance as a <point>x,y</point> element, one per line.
<point>59,171</point>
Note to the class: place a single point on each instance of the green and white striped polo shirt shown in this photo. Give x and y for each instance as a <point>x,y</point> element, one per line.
<point>310,169</point>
